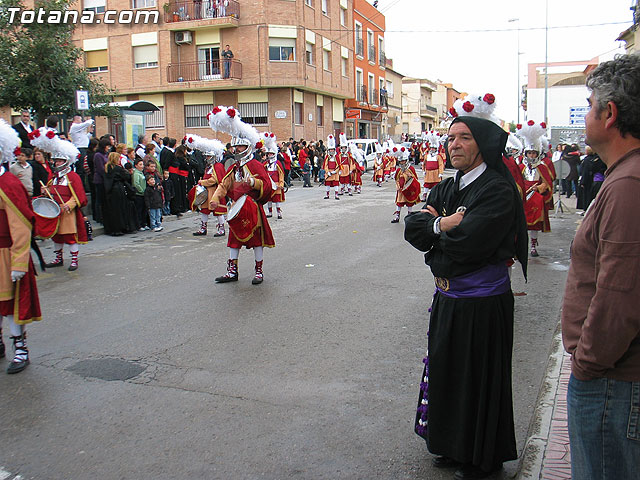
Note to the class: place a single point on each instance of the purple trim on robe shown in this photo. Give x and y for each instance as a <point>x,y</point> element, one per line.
<point>598,177</point>
<point>486,282</point>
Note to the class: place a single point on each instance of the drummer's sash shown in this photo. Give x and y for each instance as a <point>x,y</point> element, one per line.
<point>486,282</point>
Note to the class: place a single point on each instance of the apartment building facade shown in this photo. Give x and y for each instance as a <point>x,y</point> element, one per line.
<point>366,110</point>
<point>291,70</point>
<point>393,81</point>
<point>418,112</point>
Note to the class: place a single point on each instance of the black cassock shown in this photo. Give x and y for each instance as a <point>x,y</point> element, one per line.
<point>465,409</point>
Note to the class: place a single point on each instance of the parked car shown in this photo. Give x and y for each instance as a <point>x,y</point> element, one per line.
<point>367,145</point>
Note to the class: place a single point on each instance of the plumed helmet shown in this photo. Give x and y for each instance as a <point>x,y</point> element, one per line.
<point>227,120</point>
<point>270,142</point>
<point>343,140</point>
<point>209,146</point>
<point>331,142</point>
<point>46,139</point>
<point>481,106</point>
<point>532,134</point>
<point>9,143</point>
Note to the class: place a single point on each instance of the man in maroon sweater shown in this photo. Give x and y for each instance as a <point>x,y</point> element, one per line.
<point>601,311</point>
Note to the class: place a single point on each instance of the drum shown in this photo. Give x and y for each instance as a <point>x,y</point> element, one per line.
<point>243,218</point>
<point>47,217</point>
<point>197,196</point>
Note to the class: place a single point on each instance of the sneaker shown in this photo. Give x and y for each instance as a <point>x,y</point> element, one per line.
<point>142,229</point>
<point>158,229</point>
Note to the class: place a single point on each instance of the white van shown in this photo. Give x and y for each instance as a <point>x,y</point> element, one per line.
<point>367,145</point>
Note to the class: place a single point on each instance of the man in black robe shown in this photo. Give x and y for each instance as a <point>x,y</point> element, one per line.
<point>471,227</point>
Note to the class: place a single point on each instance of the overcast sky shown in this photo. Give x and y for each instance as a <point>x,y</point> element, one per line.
<point>481,62</point>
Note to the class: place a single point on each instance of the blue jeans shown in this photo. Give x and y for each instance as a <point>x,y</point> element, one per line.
<point>604,429</point>
<point>166,210</point>
<point>154,216</point>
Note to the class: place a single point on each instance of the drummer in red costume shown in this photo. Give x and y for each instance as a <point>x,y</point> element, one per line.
<point>213,174</point>
<point>67,190</point>
<point>331,166</point>
<point>378,166</point>
<point>276,172</point>
<point>358,167</point>
<point>407,184</point>
<point>246,181</point>
<point>346,165</point>
<point>19,303</point>
<point>433,164</point>
<point>538,182</point>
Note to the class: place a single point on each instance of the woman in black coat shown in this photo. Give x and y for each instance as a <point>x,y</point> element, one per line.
<point>117,214</point>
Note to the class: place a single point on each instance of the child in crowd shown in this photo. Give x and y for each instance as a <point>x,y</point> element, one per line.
<point>154,203</point>
<point>151,168</point>
<point>23,170</point>
<point>167,187</point>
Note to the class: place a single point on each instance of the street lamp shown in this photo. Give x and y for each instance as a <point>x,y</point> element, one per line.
<point>511,20</point>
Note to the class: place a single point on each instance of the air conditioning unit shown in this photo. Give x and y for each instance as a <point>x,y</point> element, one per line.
<point>183,37</point>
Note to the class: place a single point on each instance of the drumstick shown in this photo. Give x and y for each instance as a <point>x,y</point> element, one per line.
<point>46,190</point>
<point>61,200</point>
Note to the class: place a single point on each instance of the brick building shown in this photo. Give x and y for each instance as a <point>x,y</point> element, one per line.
<point>291,71</point>
<point>366,111</point>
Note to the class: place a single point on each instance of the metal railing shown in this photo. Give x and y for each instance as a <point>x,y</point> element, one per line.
<point>382,59</point>
<point>372,53</point>
<point>204,70</point>
<point>361,93</point>
<point>373,96</point>
<point>359,47</point>
<point>183,11</point>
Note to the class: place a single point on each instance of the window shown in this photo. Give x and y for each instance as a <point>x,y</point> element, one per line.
<point>282,49</point>
<point>256,113</point>
<point>343,17</point>
<point>156,119</point>
<point>144,3</point>
<point>145,56</point>
<point>308,3</point>
<point>343,67</point>
<point>359,41</point>
<point>297,111</point>
<point>372,90</point>
<point>309,53</point>
<point>97,61</point>
<point>381,56</point>
<point>320,115</point>
<point>324,7</point>
<point>371,49</point>
<point>208,62</point>
<point>196,115</point>
<point>389,89</point>
<point>326,60</point>
<point>97,6</point>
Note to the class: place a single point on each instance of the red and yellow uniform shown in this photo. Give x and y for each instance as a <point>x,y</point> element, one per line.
<point>20,298</point>
<point>67,190</point>
<point>538,183</point>
<point>408,187</point>
<point>211,179</point>
<point>251,228</point>
<point>346,167</point>
<point>433,166</point>
<point>331,167</point>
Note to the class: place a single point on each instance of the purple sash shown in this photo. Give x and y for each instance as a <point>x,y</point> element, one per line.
<point>486,282</point>
<point>598,177</point>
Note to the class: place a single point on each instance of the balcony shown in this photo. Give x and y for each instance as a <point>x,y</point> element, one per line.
<point>374,97</point>
<point>428,111</point>
<point>359,47</point>
<point>361,93</point>
<point>204,71</point>
<point>189,11</point>
<point>372,53</point>
<point>382,59</point>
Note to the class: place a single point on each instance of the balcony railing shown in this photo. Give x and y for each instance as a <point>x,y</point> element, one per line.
<point>361,93</point>
<point>183,11</point>
<point>372,53</point>
<point>373,97</point>
<point>428,110</point>
<point>203,71</point>
<point>359,47</point>
<point>384,100</point>
<point>382,59</point>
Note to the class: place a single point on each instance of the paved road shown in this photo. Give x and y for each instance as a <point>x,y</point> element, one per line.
<point>143,368</point>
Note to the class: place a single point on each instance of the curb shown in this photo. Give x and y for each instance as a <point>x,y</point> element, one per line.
<point>548,423</point>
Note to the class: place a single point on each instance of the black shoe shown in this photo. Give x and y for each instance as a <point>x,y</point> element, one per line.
<point>445,462</point>
<point>471,472</point>
<point>16,367</point>
<point>225,279</point>
<point>200,233</point>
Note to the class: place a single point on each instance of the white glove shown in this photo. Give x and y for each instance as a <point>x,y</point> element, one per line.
<point>15,275</point>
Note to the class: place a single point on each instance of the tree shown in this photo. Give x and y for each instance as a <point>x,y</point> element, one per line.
<point>40,67</point>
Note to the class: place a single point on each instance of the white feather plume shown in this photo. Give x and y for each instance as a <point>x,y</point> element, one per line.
<point>205,145</point>
<point>48,141</point>
<point>9,141</point>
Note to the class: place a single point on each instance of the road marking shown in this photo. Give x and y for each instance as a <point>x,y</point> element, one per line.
<point>4,474</point>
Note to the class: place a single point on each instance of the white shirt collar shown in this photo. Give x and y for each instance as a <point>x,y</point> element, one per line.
<point>473,175</point>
